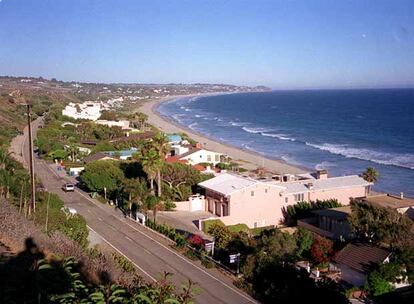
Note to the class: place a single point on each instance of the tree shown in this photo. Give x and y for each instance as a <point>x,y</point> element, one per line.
<point>380,278</point>
<point>136,189</point>
<point>102,174</point>
<point>73,151</point>
<point>304,241</point>
<point>179,178</point>
<point>160,143</point>
<point>151,163</point>
<point>378,224</point>
<point>108,115</point>
<point>221,235</point>
<point>155,204</point>
<point>321,250</point>
<point>370,175</point>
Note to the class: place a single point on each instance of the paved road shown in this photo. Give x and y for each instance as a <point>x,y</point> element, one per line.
<point>149,251</point>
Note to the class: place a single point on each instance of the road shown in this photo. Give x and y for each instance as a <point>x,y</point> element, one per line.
<point>149,251</point>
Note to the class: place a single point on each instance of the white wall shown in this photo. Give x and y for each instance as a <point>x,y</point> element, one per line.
<point>202,156</point>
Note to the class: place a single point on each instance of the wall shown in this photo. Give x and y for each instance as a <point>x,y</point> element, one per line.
<point>351,276</point>
<point>263,208</point>
<point>201,157</point>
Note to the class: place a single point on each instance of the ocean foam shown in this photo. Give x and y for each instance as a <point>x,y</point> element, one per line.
<point>383,158</point>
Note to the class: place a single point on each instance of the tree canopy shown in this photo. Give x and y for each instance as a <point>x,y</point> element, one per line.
<point>102,174</point>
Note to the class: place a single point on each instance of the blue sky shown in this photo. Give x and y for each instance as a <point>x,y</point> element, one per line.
<point>282,44</point>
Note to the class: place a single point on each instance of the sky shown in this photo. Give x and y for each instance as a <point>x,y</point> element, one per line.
<point>281,44</point>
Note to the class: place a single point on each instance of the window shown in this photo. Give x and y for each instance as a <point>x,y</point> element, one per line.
<point>256,224</point>
<point>209,158</point>
<point>252,193</point>
<point>286,200</point>
<point>217,157</point>
<point>265,190</point>
<point>300,197</point>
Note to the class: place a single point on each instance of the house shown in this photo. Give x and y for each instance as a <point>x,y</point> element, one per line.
<point>97,156</point>
<point>87,110</point>
<point>179,149</point>
<point>257,202</point>
<point>121,154</point>
<point>199,155</point>
<point>400,203</point>
<point>123,124</point>
<point>354,262</point>
<point>136,136</point>
<point>331,223</point>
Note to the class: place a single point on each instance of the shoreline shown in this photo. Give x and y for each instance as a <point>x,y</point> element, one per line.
<point>247,159</point>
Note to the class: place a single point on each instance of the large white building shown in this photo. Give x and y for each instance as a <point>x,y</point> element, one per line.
<point>87,110</point>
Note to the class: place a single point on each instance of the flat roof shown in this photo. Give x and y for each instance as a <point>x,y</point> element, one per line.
<point>227,183</point>
<point>389,201</point>
<point>324,184</point>
<point>339,213</point>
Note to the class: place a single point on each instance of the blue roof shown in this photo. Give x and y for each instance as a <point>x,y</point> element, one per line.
<point>174,138</point>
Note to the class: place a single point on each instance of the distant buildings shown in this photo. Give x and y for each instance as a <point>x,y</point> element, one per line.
<point>239,199</point>
<point>87,110</point>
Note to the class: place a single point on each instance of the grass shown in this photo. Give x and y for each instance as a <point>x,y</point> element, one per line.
<point>257,231</point>
<point>207,224</point>
<point>238,228</point>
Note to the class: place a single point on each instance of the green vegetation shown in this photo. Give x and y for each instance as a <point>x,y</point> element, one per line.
<point>101,175</point>
<point>370,175</point>
<point>51,218</point>
<point>304,209</point>
<point>209,223</point>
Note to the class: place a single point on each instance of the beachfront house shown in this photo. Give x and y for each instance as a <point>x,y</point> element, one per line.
<point>199,155</point>
<point>87,110</point>
<point>257,203</point>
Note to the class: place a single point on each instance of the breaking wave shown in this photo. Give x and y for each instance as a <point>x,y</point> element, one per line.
<point>383,158</point>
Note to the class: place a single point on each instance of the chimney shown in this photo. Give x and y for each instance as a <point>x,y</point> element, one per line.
<point>322,174</point>
<point>401,195</point>
<point>310,186</point>
<point>199,146</point>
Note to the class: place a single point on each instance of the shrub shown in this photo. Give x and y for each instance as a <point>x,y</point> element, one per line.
<point>209,223</point>
<point>196,241</point>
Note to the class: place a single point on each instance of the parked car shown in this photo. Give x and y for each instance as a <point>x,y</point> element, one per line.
<point>68,187</point>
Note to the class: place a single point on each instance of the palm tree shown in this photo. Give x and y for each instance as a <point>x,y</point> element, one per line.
<point>151,163</point>
<point>155,204</point>
<point>136,189</point>
<point>160,143</point>
<point>73,151</point>
<point>5,183</point>
<point>4,158</point>
<point>370,175</point>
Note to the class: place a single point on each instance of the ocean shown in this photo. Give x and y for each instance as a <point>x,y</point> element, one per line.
<point>343,131</point>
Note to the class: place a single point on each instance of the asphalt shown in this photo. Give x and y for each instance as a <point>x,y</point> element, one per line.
<point>150,252</point>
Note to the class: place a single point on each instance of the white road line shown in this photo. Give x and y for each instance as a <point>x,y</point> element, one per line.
<point>179,256</point>
<point>128,239</point>
<point>89,211</point>
<point>100,219</point>
<point>146,273</point>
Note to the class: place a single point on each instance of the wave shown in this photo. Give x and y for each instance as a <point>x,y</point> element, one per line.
<point>383,158</point>
<point>191,126</point>
<point>265,132</point>
<point>255,130</point>
<point>279,136</point>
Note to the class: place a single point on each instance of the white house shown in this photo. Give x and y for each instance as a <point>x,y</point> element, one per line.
<point>199,155</point>
<point>87,110</point>
<point>124,124</point>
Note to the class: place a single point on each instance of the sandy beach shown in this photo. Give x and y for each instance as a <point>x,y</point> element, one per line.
<point>247,159</point>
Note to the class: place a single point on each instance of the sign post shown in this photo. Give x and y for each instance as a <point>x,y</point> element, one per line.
<point>235,258</point>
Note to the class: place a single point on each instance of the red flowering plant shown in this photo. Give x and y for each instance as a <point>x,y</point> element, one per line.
<point>196,241</point>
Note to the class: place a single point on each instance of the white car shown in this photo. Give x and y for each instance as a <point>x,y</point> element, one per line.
<point>68,187</point>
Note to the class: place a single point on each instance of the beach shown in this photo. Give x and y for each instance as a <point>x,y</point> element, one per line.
<point>246,159</point>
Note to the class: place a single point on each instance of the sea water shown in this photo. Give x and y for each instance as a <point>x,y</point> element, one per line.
<point>343,131</point>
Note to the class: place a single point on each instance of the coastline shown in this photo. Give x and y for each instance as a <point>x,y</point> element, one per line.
<point>246,159</point>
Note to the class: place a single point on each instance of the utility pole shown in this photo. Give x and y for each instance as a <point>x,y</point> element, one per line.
<point>32,177</point>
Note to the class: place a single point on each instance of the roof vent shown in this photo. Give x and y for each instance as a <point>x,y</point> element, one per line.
<point>401,195</point>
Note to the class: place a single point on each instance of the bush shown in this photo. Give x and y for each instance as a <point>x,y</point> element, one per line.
<point>206,262</point>
<point>238,228</point>
<point>209,223</point>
